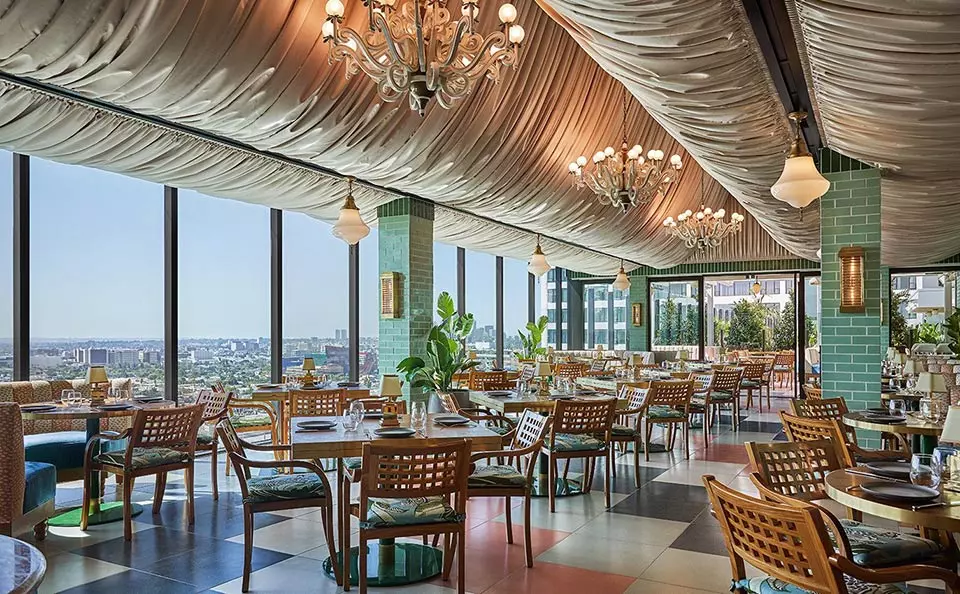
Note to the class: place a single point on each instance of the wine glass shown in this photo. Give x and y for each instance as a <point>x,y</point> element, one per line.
<point>418,417</point>
<point>898,408</point>
<point>67,397</point>
<point>348,421</point>
<point>925,470</point>
<point>357,411</point>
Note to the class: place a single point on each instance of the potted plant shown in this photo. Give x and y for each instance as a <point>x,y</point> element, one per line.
<point>531,343</point>
<point>446,353</point>
<point>951,328</point>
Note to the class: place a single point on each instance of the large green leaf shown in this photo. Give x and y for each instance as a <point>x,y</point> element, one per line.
<point>445,306</point>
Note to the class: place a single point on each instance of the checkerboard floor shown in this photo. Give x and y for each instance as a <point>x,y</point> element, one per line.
<point>656,539</point>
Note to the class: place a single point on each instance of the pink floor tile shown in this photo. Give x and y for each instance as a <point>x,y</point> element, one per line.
<point>549,577</point>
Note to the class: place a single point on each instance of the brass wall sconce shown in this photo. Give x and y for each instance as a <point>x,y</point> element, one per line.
<point>851,280</point>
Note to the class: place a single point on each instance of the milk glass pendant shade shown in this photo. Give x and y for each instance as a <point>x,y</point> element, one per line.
<point>800,183</point>
<point>349,226</point>
<point>622,282</point>
<point>538,265</point>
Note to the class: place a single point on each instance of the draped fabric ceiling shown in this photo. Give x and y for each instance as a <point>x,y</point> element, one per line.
<point>256,72</point>
<point>886,80</point>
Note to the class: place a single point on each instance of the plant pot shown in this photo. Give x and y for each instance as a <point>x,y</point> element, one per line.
<point>462,397</point>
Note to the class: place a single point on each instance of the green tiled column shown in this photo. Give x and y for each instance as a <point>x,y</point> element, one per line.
<point>885,299</point>
<point>405,231</point>
<point>851,344</point>
<point>637,335</point>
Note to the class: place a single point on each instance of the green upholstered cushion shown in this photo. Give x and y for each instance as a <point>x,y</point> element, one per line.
<point>720,395</point>
<point>623,431</point>
<point>499,429</point>
<point>63,449</point>
<point>877,547</point>
<point>247,421</point>
<point>382,513</point>
<point>353,462</point>
<point>769,585</point>
<point>749,384</point>
<point>205,434</point>
<point>41,485</point>
<point>781,368</point>
<point>576,442</point>
<point>283,487</point>
<point>145,457</point>
<point>664,412</point>
<point>494,475</point>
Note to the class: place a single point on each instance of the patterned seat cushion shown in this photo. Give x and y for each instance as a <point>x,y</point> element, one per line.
<point>145,457</point>
<point>494,475</point>
<point>205,434</point>
<point>283,487</point>
<point>749,384</point>
<point>352,463</point>
<point>769,585</point>
<point>247,421</point>
<point>382,513</point>
<point>499,429</point>
<point>623,431</point>
<point>720,395</point>
<point>659,411</point>
<point>576,442</point>
<point>876,547</point>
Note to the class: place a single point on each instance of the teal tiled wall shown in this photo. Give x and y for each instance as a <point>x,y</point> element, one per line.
<point>405,230</point>
<point>639,293</point>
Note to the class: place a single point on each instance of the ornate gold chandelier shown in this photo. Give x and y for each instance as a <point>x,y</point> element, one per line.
<point>704,229</point>
<point>625,179</point>
<point>414,48</point>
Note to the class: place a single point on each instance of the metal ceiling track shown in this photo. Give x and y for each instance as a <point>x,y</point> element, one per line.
<point>59,92</point>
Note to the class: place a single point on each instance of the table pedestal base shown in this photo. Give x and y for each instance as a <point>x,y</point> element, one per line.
<point>108,512</point>
<point>391,563</point>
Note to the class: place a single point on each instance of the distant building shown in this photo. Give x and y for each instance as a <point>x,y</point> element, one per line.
<point>337,355</point>
<point>95,356</point>
<point>45,361</point>
<point>340,334</point>
<point>150,357</point>
<point>123,357</point>
<point>201,355</point>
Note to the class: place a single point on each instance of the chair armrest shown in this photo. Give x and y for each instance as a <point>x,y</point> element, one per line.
<point>280,447</point>
<point>892,575</point>
<point>103,436</point>
<point>248,463</point>
<point>507,453</point>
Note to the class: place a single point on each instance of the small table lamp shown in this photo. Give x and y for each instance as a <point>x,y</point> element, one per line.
<point>308,366</point>
<point>543,371</point>
<point>98,380</point>
<point>951,427</point>
<point>951,461</point>
<point>682,356</point>
<point>910,367</point>
<point>933,383</point>
<point>391,386</point>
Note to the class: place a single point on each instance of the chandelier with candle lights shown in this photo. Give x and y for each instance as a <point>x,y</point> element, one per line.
<point>415,48</point>
<point>625,178</point>
<point>705,229</point>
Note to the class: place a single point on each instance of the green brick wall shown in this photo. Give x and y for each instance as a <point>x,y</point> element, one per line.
<point>405,231</point>
<point>885,303</point>
<point>851,344</point>
<point>639,293</point>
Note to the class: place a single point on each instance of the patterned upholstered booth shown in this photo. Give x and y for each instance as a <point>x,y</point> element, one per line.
<point>60,443</point>
<point>27,489</point>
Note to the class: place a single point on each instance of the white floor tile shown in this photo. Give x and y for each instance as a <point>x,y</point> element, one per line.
<point>292,536</point>
<point>66,570</point>
<point>602,554</point>
<point>637,529</point>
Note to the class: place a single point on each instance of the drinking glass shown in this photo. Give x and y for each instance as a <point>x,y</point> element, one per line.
<point>348,421</point>
<point>67,397</point>
<point>898,407</point>
<point>418,416</point>
<point>925,470</point>
<point>357,411</point>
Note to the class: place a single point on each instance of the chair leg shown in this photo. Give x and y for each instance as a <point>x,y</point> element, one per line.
<point>40,531</point>
<point>188,478</point>
<point>213,471</point>
<point>606,482</point>
<point>610,452</point>
<point>362,553</point>
<point>247,548</point>
<point>344,510</point>
<point>686,439</point>
<point>127,509</point>
<point>507,517</point>
<point>85,508</point>
<point>552,486</point>
<point>527,544</point>
<point>461,561</point>
<point>647,433</point>
<point>159,487</point>
<point>636,462</point>
<point>448,545</point>
<point>328,531</point>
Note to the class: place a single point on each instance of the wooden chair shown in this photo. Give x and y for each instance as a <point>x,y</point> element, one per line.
<point>277,491</point>
<point>597,367</point>
<point>492,383</point>
<point>316,403</point>
<point>767,380</point>
<point>724,390</point>
<point>477,378</point>
<point>681,375</point>
<point>515,477</point>
<point>569,370</point>
<point>789,541</point>
<point>493,420</point>
<point>580,429</point>
<point>214,409</point>
<point>835,408</point>
<point>797,470</point>
<point>812,392</point>
<point>252,416</point>
<point>783,369</point>
<point>402,483</point>
<point>372,405</point>
<point>159,441</point>
<point>753,372</point>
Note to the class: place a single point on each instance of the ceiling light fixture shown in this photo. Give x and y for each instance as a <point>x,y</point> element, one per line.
<point>800,183</point>
<point>414,48</point>
<point>622,282</point>
<point>704,229</point>
<point>538,265</point>
<point>625,179</point>
<point>349,226</point>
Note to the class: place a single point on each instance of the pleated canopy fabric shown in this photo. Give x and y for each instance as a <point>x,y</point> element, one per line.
<point>886,79</point>
<point>256,72</point>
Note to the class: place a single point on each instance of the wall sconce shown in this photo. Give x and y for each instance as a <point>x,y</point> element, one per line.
<point>390,290</point>
<point>851,280</point>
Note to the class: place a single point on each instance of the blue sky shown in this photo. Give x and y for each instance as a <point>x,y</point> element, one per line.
<point>97,264</point>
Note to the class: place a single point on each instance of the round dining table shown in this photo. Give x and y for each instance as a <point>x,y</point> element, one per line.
<point>99,513</point>
<point>22,566</point>
<point>927,431</point>
<point>937,523</point>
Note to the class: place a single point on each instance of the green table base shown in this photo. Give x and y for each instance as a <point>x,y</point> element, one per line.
<point>391,563</point>
<point>109,512</point>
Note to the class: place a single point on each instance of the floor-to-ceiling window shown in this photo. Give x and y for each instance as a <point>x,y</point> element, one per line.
<point>481,302</point>
<point>596,316</point>
<point>444,271</point>
<point>6,266</point>
<point>315,298</point>
<point>96,274</point>
<point>515,308</point>
<point>621,303</point>
<point>224,293</point>
<point>675,316</point>
<point>920,302</point>
<point>752,313</point>
<point>370,312</point>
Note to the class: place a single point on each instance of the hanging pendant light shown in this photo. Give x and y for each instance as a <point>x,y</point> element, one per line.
<point>538,265</point>
<point>349,226</point>
<point>622,282</point>
<point>800,183</point>
<point>757,287</point>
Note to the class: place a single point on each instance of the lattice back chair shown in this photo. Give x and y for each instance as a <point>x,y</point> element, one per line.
<point>812,392</point>
<point>783,366</point>
<point>597,366</point>
<point>218,387</point>
<point>427,484</point>
<point>569,370</point>
<point>214,409</point>
<point>478,377</point>
<point>252,416</point>
<point>835,408</point>
<point>277,491</point>
<point>159,440</point>
<point>810,429</point>
<point>701,382</point>
<point>789,540</point>
<point>580,429</point>
<point>795,468</point>
<point>681,375</point>
<point>493,420</point>
<point>316,403</point>
<point>514,476</point>
<point>494,383</point>
<point>527,373</point>
<point>374,405</point>
<point>724,391</point>
<point>753,374</point>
